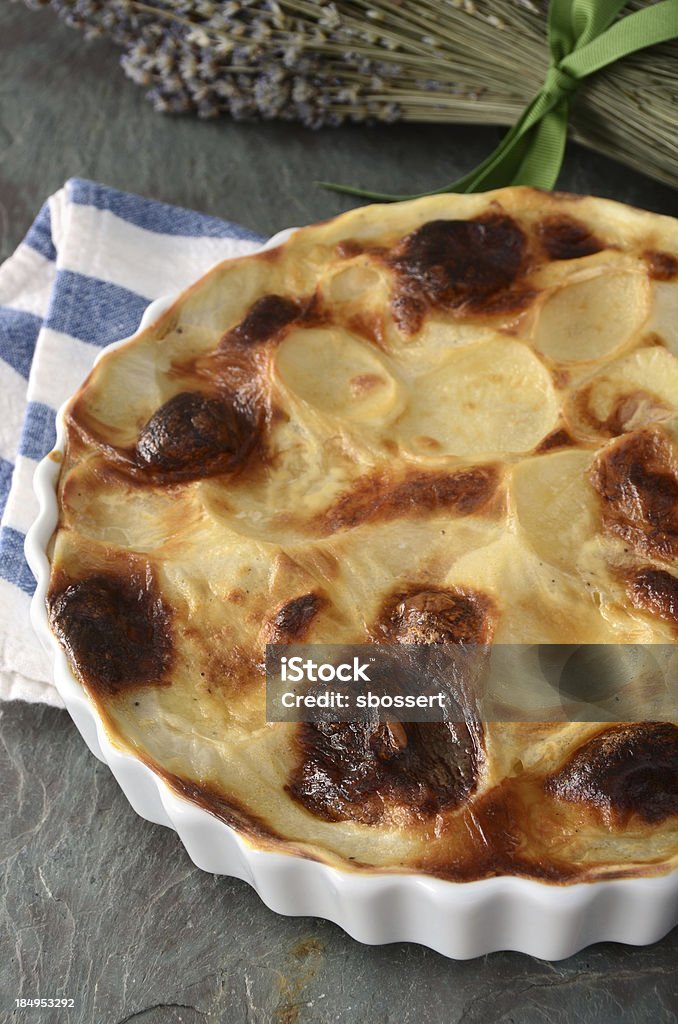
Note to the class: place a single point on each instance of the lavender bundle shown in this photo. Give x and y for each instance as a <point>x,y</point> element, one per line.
<point>327,63</point>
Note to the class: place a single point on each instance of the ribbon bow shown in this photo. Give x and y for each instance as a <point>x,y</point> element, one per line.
<point>582,39</point>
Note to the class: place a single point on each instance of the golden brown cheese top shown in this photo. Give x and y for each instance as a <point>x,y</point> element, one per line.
<point>451,420</point>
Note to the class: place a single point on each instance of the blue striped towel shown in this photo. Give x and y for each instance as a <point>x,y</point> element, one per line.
<point>82,277</point>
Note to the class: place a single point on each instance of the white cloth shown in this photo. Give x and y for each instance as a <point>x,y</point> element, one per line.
<point>91,263</point>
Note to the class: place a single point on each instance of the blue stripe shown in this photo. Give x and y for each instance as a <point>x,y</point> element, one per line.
<point>152,215</point>
<point>6,469</point>
<point>39,236</point>
<point>93,310</point>
<point>18,335</point>
<point>38,433</point>
<point>13,565</point>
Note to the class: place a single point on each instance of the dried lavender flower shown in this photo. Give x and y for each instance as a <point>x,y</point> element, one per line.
<point>328,61</point>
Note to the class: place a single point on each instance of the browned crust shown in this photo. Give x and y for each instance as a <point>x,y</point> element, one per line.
<point>655,591</point>
<point>662,266</point>
<point>470,267</point>
<point>369,773</point>
<point>559,438</point>
<point>293,619</point>
<point>426,614</point>
<point>115,627</point>
<point>624,771</point>
<point>380,497</point>
<point>638,488</point>
<point>622,412</point>
<point>565,238</point>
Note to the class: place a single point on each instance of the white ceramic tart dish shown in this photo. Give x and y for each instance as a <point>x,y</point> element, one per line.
<point>452,420</point>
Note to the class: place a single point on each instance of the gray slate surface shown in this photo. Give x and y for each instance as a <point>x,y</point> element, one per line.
<point>96,903</point>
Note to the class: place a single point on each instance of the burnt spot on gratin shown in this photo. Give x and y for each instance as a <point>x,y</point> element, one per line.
<point>271,317</point>
<point>390,771</point>
<point>379,497</point>
<point>637,483</point>
<point>560,438</point>
<point>349,249</point>
<point>662,266</point>
<point>624,770</point>
<point>463,266</point>
<point>237,369</point>
<point>265,319</point>
<point>655,591</point>
<point>192,436</point>
<point>116,629</point>
<point>435,615</point>
<point>370,771</point>
<point>293,619</point>
<point>628,411</point>
<point>229,809</point>
<point>564,238</point>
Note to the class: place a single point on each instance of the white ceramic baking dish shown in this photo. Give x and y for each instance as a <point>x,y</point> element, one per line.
<point>459,920</point>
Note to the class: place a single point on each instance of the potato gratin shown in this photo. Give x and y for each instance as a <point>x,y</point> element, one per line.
<point>451,419</point>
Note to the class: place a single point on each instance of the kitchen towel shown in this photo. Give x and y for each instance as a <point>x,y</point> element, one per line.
<point>90,264</point>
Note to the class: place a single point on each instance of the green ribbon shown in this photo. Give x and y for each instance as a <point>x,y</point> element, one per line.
<point>582,39</point>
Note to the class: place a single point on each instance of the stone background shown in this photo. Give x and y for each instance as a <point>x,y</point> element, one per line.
<point>96,903</point>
